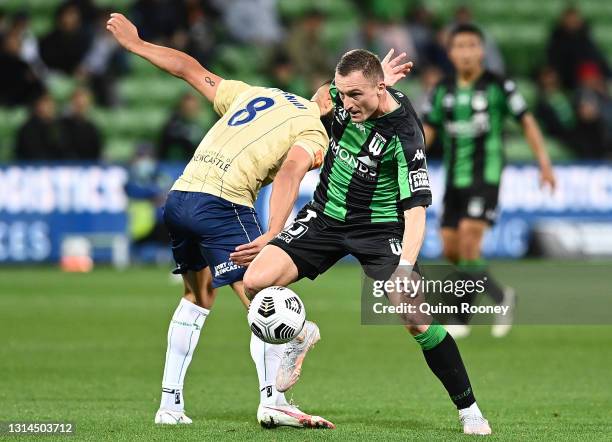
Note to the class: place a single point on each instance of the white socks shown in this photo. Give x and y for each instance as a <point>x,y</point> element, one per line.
<point>472,410</point>
<point>267,358</point>
<point>183,336</point>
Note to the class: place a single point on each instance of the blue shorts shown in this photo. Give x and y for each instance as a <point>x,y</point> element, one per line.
<point>204,229</point>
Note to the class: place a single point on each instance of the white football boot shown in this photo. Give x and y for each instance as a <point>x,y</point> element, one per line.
<point>503,324</point>
<point>271,416</point>
<point>169,417</point>
<point>475,424</point>
<point>473,421</point>
<point>291,364</point>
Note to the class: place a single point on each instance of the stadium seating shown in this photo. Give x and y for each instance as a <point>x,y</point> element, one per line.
<point>147,94</point>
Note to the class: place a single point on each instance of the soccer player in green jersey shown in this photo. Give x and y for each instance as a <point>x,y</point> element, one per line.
<point>468,110</point>
<point>370,203</point>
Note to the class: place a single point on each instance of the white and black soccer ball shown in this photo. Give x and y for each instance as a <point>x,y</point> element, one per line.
<point>276,315</point>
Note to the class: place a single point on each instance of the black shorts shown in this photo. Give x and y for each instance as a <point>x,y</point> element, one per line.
<point>316,241</point>
<point>472,202</point>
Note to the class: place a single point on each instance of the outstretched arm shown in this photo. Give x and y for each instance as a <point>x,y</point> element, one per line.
<point>170,60</point>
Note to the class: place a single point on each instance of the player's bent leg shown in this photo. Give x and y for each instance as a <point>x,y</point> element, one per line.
<point>272,266</point>
<point>183,335</point>
<point>444,360</point>
<point>441,354</point>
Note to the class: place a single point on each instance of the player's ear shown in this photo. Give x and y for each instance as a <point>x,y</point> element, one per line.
<point>381,88</point>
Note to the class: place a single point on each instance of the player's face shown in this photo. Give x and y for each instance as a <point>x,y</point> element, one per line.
<point>360,96</point>
<point>466,52</point>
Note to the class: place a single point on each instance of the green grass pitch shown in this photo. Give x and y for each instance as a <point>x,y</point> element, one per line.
<point>89,348</point>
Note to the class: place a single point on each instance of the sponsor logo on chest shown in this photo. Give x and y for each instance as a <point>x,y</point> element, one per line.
<point>364,166</point>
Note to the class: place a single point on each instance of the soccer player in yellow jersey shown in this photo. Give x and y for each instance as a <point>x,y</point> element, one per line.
<point>263,134</point>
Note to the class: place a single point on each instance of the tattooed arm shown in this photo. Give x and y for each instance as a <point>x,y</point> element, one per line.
<point>172,61</point>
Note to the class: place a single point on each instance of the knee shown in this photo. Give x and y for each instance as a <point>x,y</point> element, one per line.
<point>253,281</point>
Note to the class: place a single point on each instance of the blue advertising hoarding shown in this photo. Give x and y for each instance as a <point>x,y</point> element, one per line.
<point>42,204</point>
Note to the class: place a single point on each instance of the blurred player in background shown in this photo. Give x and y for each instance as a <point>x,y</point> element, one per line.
<point>468,110</point>
<point>263,135</point>
<point>370,203</point>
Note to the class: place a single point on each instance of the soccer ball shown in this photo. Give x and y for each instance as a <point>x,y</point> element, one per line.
<point>276,315</point>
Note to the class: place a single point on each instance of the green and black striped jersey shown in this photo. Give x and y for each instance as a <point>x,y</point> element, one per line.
<point>470,121</point>
<point>374,170</point>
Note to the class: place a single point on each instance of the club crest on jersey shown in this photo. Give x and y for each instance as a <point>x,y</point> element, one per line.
<point>476,207</point>
<point>418,180</point>
<point>396,246</point>
<point>448,101</point>
<point>479,101</point>
<point>376,144</point>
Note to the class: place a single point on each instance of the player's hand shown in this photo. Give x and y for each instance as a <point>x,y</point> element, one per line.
<point>393,68</point>
<point>547,178</point>
<point>123,30</point>
<point>402,273</point>
<point>246,253</point>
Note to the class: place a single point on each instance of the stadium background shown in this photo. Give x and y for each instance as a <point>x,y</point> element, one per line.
<point>61,195</point>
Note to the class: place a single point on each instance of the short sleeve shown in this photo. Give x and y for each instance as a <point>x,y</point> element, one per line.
<point>515,102</point>
<point>412,174</point>
<point>433,113</point>
<point>227,92</point>
<point>314,142</point>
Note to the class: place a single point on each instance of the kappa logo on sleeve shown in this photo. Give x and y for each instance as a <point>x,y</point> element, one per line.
<point>418,180</point>
<point>419,155</point>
